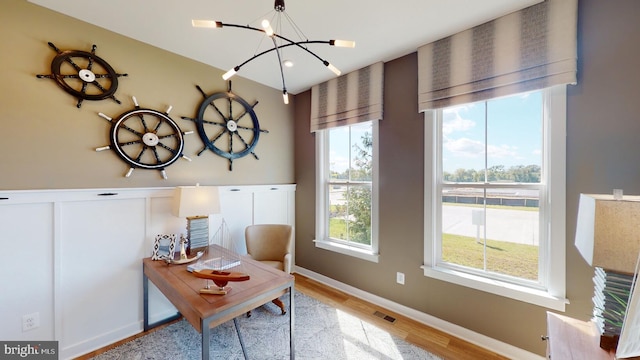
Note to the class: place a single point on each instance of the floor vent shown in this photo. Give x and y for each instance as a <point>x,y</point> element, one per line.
<point>390,319</point>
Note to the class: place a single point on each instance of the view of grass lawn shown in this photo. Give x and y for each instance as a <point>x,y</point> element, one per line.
<point>337,228</point>
<point>502,257</point>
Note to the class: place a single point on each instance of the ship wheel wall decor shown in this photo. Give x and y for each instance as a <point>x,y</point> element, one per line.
<point>83,74</point>
<point>227,125</point>
<point>146,139</point>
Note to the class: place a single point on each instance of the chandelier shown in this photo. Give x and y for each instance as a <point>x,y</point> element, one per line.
<point>279,42</point>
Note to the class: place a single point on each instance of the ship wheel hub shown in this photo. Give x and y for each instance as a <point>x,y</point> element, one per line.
<point>150,139</point>
<point>232,125</point>
<point>87,75</point>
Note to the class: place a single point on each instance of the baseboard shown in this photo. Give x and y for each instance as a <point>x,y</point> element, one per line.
<point>460,332</point>
<point>74,350</point>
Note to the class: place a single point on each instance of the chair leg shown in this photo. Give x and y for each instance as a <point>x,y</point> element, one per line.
<point>280,304</point>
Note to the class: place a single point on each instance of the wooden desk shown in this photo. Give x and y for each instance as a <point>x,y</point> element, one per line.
<point>206,311</point>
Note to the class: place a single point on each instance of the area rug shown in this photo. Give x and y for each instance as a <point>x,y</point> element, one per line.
<point>321,333</point>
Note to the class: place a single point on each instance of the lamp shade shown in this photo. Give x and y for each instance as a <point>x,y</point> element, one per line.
<point>195,201</point>
<point>608,231</point>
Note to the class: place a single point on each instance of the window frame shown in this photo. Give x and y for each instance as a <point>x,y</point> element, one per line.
<point>322,240</point>
<point>552,199</point>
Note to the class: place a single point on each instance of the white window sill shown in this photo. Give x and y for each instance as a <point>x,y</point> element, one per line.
<point>521,293</point>
<point>348,250</point>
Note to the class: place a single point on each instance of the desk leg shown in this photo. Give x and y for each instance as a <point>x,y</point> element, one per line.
<point>244,350</point>
<point>145,307</point>
<point>292,354</point>
<point>145,301</point>
<point>206,332</point>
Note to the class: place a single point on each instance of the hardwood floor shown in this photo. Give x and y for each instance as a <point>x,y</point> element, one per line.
<point>432,340</point>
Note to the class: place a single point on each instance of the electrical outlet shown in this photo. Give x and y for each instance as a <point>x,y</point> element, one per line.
<point>30,321</point>
<point>400,278</point>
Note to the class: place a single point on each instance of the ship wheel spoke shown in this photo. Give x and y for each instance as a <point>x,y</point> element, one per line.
<point>144,148</point>
<point>143,122</point>
<point>214,123</point>
<point>218,111</point>
<point>173,151</point>
<point>130,143</point>
<point>252,129</point>
<point>246,145</point>
<point>123,126</point>
<point>90,64</point>
<point>155,130</point>
<point>155,153</point>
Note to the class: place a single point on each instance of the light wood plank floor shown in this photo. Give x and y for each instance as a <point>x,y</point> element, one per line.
<point>432,340</point>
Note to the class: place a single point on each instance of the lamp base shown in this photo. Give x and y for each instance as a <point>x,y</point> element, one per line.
<point>609,342</point>
<point>610,298</point>
<point>197,233</point>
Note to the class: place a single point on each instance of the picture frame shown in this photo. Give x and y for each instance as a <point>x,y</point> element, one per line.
<point>164,247</point>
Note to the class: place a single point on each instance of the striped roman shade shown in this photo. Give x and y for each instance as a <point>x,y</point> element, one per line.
<point>348,99</point>
<point>530,49</point>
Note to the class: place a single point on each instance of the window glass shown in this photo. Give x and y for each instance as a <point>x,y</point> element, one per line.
<point>495,145</point>
<point>349,187</point>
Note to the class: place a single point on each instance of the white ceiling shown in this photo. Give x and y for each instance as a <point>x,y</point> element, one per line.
<point>382,30</point>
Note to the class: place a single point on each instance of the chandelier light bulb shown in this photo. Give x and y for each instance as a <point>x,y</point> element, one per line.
<point>343,43</point>
<point>206,23</point>
<point>334,69</point>
<point>229,74</point>
<point>285,97</point>
<point>267,27</point>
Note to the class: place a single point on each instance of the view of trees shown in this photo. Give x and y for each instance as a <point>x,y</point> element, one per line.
<point>518,173</point>
<point>355,215</point>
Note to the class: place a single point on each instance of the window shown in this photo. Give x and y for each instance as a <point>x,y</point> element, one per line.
<point>346,189</point>
<point>492,169</point>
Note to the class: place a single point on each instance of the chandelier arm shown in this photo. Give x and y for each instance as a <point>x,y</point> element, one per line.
<point>277,49</point>
<point>300,43</point>
<point>221,24</point>
<point>290,43</point>
<point>287,45</point>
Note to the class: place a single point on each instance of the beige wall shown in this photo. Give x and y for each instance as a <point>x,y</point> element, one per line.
<point>602,153</point>
<point>48,143</point>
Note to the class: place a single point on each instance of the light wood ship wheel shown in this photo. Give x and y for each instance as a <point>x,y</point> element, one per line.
<point>146,139</point>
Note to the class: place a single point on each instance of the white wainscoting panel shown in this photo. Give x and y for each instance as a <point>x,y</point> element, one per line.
<point>100,278</point>
<point>75,257</point>
<point>26,283</point>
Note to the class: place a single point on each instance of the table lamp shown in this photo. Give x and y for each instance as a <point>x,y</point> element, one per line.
<point>196,203</point>
<point>608,238</point>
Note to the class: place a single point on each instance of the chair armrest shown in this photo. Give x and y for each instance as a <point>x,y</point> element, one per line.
<point>288,266</point>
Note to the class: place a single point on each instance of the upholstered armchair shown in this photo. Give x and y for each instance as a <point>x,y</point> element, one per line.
<point>271,244</point>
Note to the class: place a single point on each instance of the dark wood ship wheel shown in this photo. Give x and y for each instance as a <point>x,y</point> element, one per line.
<point>83,74</point>
<point>146,139</point>
<point>227,125</point>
